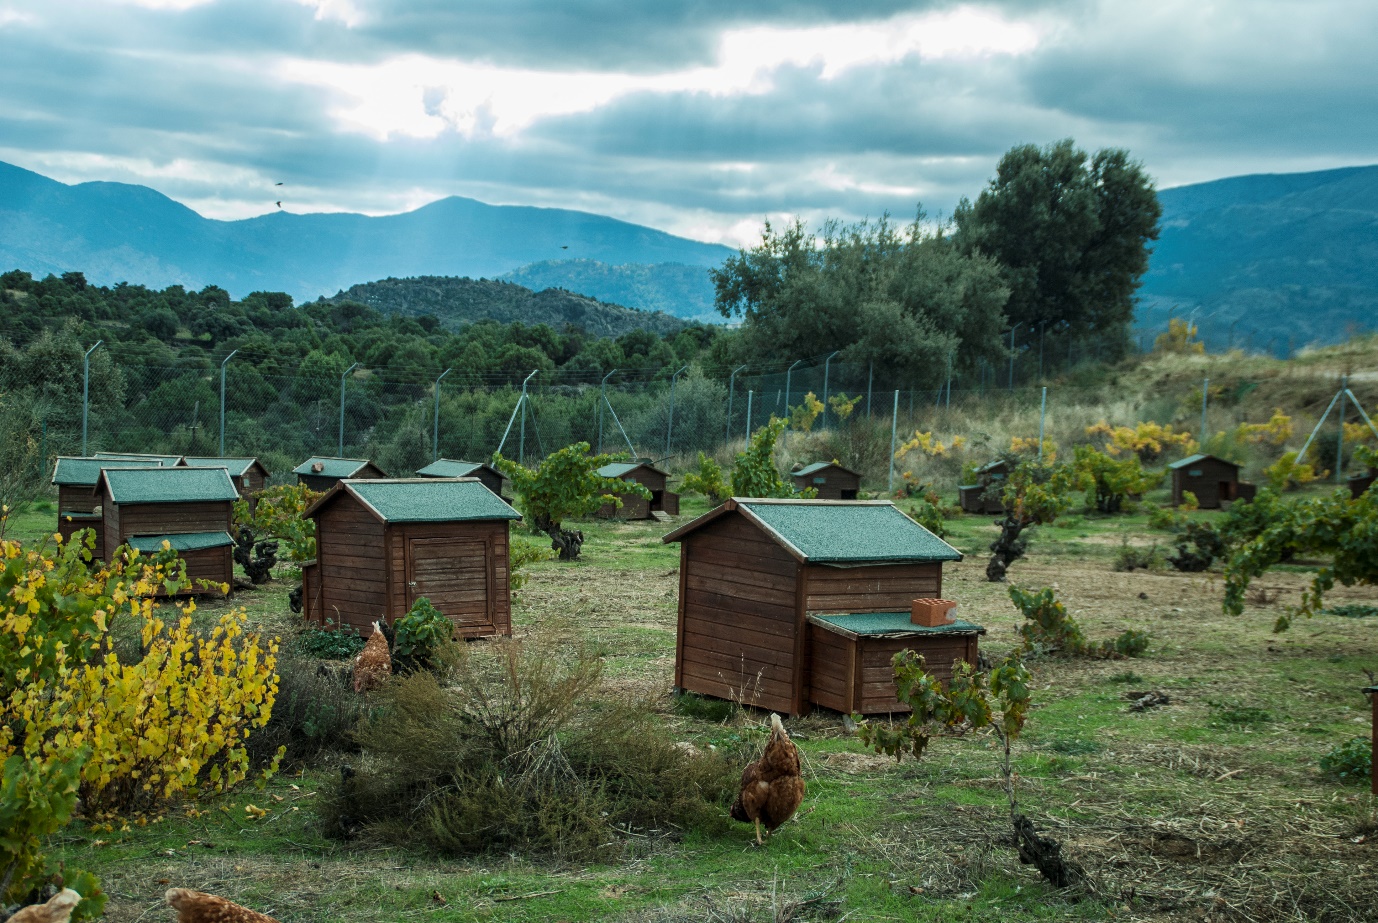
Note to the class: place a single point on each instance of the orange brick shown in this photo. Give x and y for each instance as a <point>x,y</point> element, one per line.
<point>932,613</point>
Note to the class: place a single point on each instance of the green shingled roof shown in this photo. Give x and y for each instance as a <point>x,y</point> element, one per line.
<point>431,500</point>
<point>891,623</point>
<point>169,485</point>
<point>184,541</point>
<point>819,466</point>
<point>849,532</point>
<point>85,472</point>
<point>450,468</point>
<point>145,457</point>
<point>1193,459</point>
<point>236,466</point>
<point>331,467</point>
<point>619,469</point>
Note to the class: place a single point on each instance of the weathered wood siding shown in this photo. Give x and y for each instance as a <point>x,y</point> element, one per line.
<point>1204,479</point>
<point>311,593</point>
<point>110,526</point>
<point>213,564</point>
<point>857,674</point>
<point>69,527</point>
<point>462,567</point>
<point>168,518</point>
<point>740,634</point>
<point>353,576</point>
<point>873,588</point>
<point>836,484</point>
<point>75,498</point>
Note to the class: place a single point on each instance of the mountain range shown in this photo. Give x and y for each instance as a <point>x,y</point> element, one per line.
<point>1275,261</point>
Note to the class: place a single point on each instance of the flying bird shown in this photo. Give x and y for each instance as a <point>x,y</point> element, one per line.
<point>564,247</point>
<point>199,907</point>
<point>279,204</point>
<point>277,184</point>
<point>772,787</point>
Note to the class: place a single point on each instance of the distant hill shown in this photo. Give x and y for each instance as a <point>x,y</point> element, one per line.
<point>675,288</point>
<point>114,232</point>
<point>461,301</point>
<point>1275,256</point>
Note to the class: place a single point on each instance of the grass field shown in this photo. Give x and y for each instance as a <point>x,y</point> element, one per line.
<point>1211,807</point>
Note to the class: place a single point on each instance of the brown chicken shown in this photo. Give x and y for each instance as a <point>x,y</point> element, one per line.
<point>58,909</point>
<point>772,787</point>
<point>199,907</point>
<point>374,664</point>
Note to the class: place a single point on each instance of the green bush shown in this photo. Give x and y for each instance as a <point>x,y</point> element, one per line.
<point>693,705</point>
<point>522,753</point>
<point>329,643</point>
<point>1351,761</point>
<point>708,480</point>
<point>420,635</point>
<point>1166,519</point>
<point>1050,629</point>
<point>1129,558</point>
<point>521,555</point>
<point>316,712</point>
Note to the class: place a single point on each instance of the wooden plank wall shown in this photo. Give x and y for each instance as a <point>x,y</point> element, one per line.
<point>169,518</point>
<point>349,549</point>
<point>310,593</point>
<point>738,628</point>
<point>877,588</point>
<point>875,673</point>
<point>74,498</point>
<point>214,564</point>
<point>110,526</point>
<point>493,534</point>
<point>832,662</point>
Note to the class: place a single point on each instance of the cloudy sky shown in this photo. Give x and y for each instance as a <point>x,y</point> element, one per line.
<point>699,117</point>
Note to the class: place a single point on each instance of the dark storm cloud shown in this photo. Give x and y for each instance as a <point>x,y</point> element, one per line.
<point>194,102</point>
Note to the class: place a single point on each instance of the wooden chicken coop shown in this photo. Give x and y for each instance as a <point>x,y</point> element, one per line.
<point>1213,481</point>
<point>662,502</point>
<point>779,599</point>
<point>990,477</point>
<point>831,480</point>
<point>1358,483</point>
<point>248,474</point>
<point>77,505</point>
<point>321,472</point>
<point>383,543</point>
<point>487,475</point>
<point>188,507</point>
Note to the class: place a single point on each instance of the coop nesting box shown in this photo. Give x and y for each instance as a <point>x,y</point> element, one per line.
<point>763,584</point>
<point>1358,483</point>
<point>75,479</point>
<point>1212,480</point>
<point>487,475</point>
<point>190,508</point>
<point>853,656</point>
<point>831,480</point>
<point>383,544</point>
<point>321,472</point>
<point>635,507</point>
<point>248,474</point>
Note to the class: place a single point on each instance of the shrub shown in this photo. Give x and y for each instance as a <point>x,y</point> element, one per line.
<point>1274,433</point>
<point>1146,441</point>
<point>1351,761</point>
<point>521,555</point>
<point>929,513</point>
<point>1050,629</point>
<point>1169,520</point>
<point>521,754</point>
<point>419,635</point>
<point>1129,558</point>
<point>124,736</point>
<point>1190,502</point>
<point>755,474</point>
<point>1288,474</point>
<point>1035,493</point>
<point>708,480</point>
<point>278,515</point>
<point>316,711</point>
<point>1112,480</point>
<point>801,418</point>
<point>1198,548</point>
<point>565,485</point>
<point>329,643</point>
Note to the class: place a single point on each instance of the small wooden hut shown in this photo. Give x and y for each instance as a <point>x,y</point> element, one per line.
<point>248,474</point>
<point>77,506</point>
<point>188,507</point>
<point>983,496</point>
<point>1358,483</point>
<point>831,480</point>
<point>382,544</point>
<point>487,475</point>
<point>322,472</point>
<point>781,603</point>
<point>1213,481</point>
<point>663,501</point>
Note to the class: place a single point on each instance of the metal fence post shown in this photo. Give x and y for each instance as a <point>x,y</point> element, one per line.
<point>1012,330</point>
<point>670,422</point>
<point>86,392</point>
<point>602,399</point>
<point>343,379</point>
<point>749,396</point>
<point>1340,437</point>
<point>870,380</point>
<point>731,387</point>
<point>1042,416</point>
<point>223,363</point>
<point>825,385</point>
<point>435,434</point>
<point>788,372</point>
<point>1205,399</point>
<point>894,430</point>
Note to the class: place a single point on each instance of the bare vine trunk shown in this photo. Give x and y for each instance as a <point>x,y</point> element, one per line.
<point>567,542</point>
<point>1008,548</point>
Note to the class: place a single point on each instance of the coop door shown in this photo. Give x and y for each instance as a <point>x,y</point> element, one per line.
<point>455,576</point>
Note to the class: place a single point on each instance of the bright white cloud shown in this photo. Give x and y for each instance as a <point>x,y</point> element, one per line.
<point>343,10</point>
<point>423,96</point>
